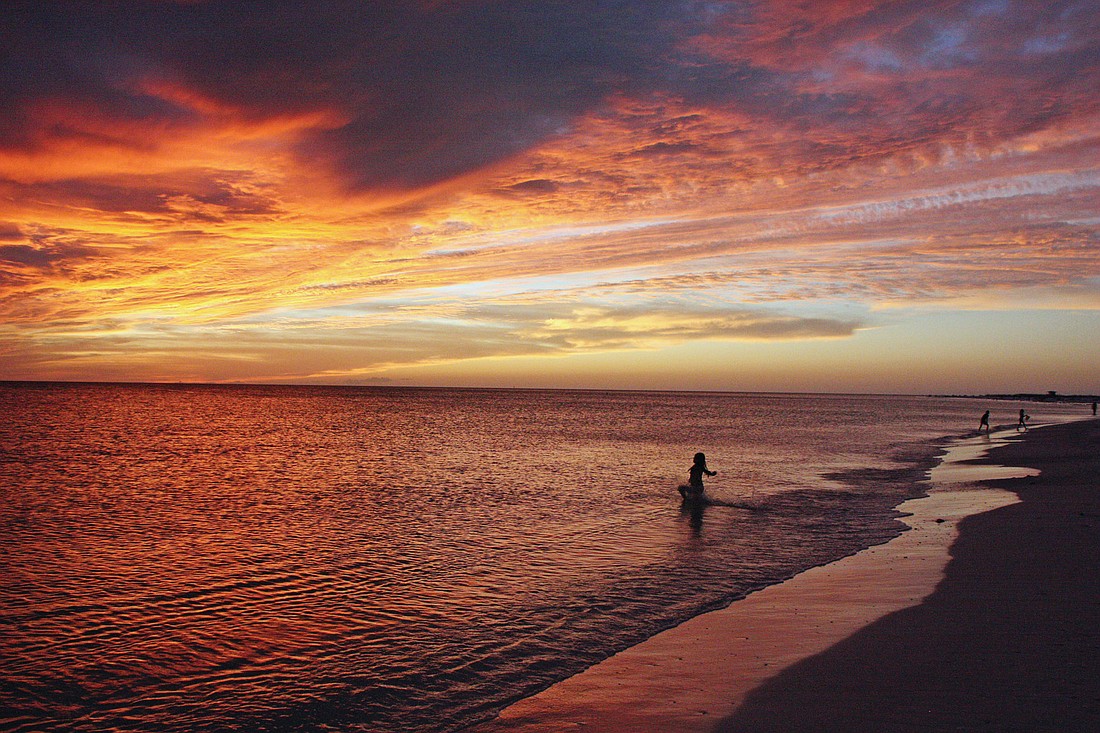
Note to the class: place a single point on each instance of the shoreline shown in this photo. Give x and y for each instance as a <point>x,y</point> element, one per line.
<point>706,674</point>
<point>1010,639</point>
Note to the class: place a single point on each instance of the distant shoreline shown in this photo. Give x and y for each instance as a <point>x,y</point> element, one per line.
<point>1018,397</point>
<point>1026,397</point>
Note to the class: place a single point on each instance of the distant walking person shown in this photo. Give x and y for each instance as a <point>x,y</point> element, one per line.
<point>1022,425</point>
<point>1094,408</point>
<point>984,424</point>
<point>694,488</point>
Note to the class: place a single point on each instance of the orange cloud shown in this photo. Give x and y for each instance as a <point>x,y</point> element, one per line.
<point>780,171</point>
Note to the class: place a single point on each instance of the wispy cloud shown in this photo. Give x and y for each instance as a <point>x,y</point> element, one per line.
<point>417,182</point>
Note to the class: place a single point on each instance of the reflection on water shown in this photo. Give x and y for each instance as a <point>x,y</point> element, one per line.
<point>233,558</point>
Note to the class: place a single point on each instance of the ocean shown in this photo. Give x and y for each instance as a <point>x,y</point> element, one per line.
<point>268,558</point>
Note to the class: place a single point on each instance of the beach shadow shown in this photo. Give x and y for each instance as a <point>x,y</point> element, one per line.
<point>1009,641</point>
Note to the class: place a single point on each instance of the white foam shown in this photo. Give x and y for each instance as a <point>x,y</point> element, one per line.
<point>956,466</point>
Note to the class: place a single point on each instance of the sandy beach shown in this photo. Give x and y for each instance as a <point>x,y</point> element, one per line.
<point>984,616</point>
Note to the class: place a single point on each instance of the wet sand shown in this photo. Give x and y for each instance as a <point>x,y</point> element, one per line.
<point>984,616</point>
<point>1010,640</point>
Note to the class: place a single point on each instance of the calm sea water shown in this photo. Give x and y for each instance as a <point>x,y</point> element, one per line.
<point>182,558</point>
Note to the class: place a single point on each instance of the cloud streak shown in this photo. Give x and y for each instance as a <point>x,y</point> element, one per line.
<point>423,182</point>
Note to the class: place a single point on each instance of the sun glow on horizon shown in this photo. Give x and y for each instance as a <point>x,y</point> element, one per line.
<point>662,199</point>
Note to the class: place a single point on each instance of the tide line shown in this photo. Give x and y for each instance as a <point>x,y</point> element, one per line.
<point>691,677</point>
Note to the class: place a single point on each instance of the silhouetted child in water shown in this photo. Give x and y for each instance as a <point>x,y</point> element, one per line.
<point>694,488</point>
<point>984,424</point>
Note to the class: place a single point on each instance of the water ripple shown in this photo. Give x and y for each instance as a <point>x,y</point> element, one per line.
<point>183,558</point>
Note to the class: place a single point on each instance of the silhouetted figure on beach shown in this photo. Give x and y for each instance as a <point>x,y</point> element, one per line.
<point>1022,425</point>
<point>984,424</point>
<point>1094,409</point>
<point>694,488</point>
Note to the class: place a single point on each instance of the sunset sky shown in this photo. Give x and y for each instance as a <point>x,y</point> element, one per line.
<point>842,195</point>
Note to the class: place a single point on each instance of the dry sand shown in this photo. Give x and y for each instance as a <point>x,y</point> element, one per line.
<point>884,640</point>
